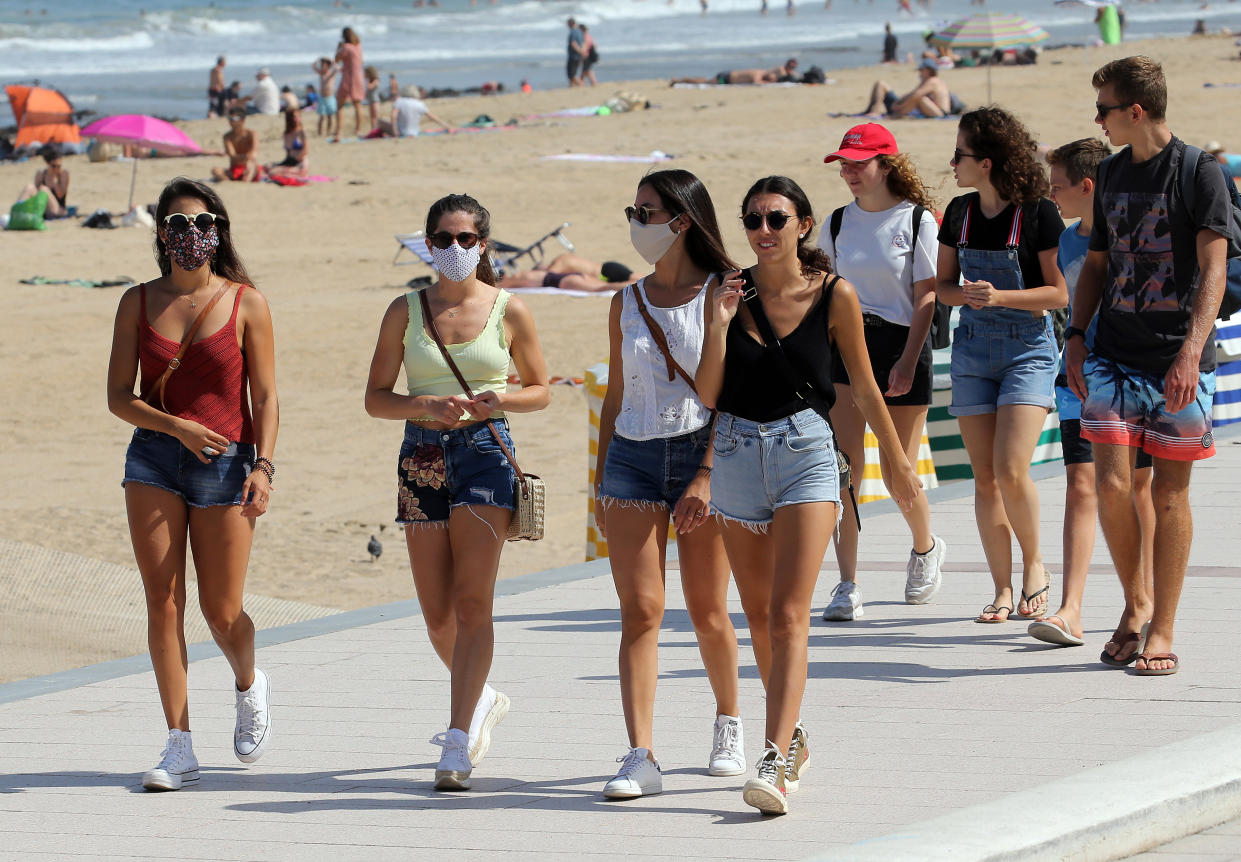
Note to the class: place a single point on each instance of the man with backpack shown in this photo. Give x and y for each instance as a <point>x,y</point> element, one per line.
<point>1155,272</point>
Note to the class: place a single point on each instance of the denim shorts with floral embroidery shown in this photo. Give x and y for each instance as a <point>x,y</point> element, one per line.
<point>439,469</point>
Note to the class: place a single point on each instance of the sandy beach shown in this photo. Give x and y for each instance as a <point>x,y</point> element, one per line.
<point>322,254</point>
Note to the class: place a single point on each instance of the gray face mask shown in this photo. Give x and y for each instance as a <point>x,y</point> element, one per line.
<point>652,241</point>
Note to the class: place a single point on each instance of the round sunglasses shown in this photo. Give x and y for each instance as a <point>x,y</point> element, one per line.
<point>775,219</point>
<point>178,222</point>
<point>642,214</point>
<point>443,239</point>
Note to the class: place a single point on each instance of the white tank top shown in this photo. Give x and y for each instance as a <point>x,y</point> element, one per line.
<point>652,406</point>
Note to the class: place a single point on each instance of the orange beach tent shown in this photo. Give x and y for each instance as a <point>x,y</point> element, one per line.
<point>43,116</point>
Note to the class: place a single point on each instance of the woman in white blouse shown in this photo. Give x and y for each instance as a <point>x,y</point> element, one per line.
<point>654,465</point>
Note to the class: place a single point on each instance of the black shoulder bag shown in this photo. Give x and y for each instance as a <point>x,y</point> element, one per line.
<point>801,386</point>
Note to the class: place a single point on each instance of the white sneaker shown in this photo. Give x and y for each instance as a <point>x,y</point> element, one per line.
<point>453,770</point>
<point>177,765</point>
<point>728,747</point>
<point>638,776</point>
<point>846,603</point>
<point>253,727</point>
<point>766,791</point>
<point>923,575</point>
<point>490,710</point>
<point>796,761</point>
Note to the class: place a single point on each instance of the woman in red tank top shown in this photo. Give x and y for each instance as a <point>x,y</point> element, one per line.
<point>199,340</point>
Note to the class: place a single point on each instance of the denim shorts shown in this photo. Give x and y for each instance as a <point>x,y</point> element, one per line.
<point>161,461</point>
<point>652,471</point>
<point>439,469</point>
<point>1125,406</point>
<point>997,363</point>
<point>761,466</point>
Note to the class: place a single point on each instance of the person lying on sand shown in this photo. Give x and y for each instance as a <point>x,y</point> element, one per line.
<point>572,272</point>
<point>930,98</point>
<point>747,76</point>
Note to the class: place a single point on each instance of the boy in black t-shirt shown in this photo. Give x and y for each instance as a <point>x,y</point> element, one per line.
<point>1155,273</point>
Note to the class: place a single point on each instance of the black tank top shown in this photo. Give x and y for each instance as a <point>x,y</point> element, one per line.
<point>755,385</point>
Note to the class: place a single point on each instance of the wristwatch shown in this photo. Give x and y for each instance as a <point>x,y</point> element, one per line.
<point>1070,331</point>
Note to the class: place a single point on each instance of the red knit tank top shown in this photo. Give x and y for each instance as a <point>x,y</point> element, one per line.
<point>209,387</point>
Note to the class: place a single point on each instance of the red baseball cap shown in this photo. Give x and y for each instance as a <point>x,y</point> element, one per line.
<point>864,142</point>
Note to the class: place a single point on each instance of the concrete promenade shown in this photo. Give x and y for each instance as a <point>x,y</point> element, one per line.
<point>931,737</point>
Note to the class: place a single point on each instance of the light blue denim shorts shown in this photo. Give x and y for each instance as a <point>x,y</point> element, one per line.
<point>761,466</point>
<point>995,363</point>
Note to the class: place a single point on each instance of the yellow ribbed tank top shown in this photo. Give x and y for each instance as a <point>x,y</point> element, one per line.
<point>483,361</point>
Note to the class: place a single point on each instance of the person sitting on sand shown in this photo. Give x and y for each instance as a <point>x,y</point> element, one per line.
<point>407,114</point>
<point>295,162</point>
<point>242,148</point>
<point>746,76</point>
<point>929,99</point>
<point>265,97</point>
<point>54,180</point>
<point>572,272</point>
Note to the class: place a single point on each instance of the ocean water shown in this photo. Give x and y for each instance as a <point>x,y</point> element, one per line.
<point>153,56</point>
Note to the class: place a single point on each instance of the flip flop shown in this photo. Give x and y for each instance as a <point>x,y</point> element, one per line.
<point>1158,656</point>
<point>1121,640</point>
<point>1045,591</point>
<point>1048,632</point>
<point>992,609</point>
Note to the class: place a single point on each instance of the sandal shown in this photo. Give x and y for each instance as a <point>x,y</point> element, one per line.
<point>1158,656</point>
<point>992,609</point>
<point>1039,609</point>
<point>1121,640</point>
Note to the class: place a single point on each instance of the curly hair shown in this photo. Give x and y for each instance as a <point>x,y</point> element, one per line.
<point>1016,171</point>
<point>904,182</point>
<point>482,226</point>
<point>810,256</point>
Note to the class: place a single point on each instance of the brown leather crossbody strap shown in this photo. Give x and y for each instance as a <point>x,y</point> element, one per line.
<point>661,341</point>
<point>439,342</point>
<point>175,362</point>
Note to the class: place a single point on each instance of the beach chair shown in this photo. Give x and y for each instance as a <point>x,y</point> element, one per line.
<point>504,257</point>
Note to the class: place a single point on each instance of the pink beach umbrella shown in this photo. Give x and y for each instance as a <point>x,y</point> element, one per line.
<point>142,131</point>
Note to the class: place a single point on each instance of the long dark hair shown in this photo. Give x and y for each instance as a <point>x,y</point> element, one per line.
<point>225,262</point>
<point>1016,170</point>
<point>810,256</point>
<point>482,227</point>
<point>681,192</point>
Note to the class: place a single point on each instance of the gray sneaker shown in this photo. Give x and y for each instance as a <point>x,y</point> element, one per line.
<point>846,603</point>
<point>923,575</point>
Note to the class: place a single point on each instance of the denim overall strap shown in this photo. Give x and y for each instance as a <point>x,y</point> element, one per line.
<point>1000,268</point>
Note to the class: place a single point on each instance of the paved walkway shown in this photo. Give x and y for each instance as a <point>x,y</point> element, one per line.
<point>931,737</point>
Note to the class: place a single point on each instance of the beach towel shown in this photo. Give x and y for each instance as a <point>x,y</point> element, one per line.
<point>560,291</point>
<point>687,86</point>
<point>587,111</point>
<point>655,156</point>
<point>119,281</point>
<point>281,180</point>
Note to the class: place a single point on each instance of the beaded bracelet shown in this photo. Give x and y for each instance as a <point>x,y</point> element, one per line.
<point>268,468</point>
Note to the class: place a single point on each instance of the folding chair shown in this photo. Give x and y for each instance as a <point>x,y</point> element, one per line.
<point>504,256</point>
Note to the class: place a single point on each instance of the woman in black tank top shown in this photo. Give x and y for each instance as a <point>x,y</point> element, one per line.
<point>774,484</point>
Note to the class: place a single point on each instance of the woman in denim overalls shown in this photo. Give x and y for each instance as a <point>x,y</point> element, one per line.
<point>997,259</point>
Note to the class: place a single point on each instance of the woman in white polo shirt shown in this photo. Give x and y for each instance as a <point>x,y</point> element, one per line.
<point>876,245</point>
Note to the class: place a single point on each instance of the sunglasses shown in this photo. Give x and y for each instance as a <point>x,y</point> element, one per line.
<point>1102,110</point>
<point>444,239</point>
<point>642,214</point>
<point>775,219</point>
<point>957,155</point>
<point>178,222</point>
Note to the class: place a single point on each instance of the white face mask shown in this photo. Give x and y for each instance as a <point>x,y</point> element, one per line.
<point>456,263</point>
<point>652,241</point>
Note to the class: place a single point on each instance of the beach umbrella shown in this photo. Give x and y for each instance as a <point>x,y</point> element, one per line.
<point>43,116</point>
<point>142,131</point>
<point>989,31</point>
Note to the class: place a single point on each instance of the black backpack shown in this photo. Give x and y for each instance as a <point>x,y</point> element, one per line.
<point>1186,174</point>
<point>941,337</point>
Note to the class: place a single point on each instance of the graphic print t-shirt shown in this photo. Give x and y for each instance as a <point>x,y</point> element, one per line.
<point>1141,221</point>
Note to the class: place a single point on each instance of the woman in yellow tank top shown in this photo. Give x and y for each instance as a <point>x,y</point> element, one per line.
<point>455,492</point>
